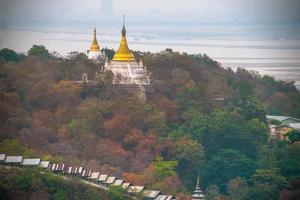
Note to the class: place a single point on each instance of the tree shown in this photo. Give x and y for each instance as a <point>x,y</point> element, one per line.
<point>8,55</point>
<point>294,136</point>
<point>261,192</point>
<point>289,160</point>
<point>14,147</point>
<point>269,177</point>
<point>252,108</point>
<point>236,187</point>
<point>109,53</point>
<point>225,129</point>
<point>60,195</point>
<point>39,51</point>
<point>226,165</point>
<point>117,193</point>
<point>164,168</point>
<point>191,157</point>
<point>213,192</point>
<point>26,180</point>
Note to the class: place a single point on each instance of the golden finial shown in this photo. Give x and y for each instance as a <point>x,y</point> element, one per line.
<point>123,53</point>
<point>95,46</point>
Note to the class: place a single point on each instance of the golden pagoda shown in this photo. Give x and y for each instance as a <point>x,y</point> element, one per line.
<point>124,53</point>
<point>126,70</point>
<point>95,46</point>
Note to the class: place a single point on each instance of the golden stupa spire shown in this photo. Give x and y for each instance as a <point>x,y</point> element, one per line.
<point>95,46</point>
<point>123,53</point>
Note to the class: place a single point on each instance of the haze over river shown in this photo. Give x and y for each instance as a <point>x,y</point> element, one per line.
<point>272,50</point>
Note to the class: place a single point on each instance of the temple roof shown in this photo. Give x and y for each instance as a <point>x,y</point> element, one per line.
<point>124,53</point>
<point>95,46</point>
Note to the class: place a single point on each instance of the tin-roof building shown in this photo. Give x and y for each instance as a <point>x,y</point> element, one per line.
<point>2,157</point>
<point>126,185</point>
<point>150,194</point>
<point>283,120</point>
<point>44,164</point>
<point>31,162</point>
<point>135,189</point>
<point>102,178</point>
<point>164,197</point>
<point>94,176</point>
<point>110,180</point>
<point>13,159</point>
<point>118,182</point>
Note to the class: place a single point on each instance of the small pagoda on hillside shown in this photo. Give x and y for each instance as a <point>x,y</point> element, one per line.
<point>94,52</point>
<point>198,194</point>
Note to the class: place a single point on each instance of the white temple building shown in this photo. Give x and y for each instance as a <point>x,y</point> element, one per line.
<point>125,68</point>
<point>94,52</point>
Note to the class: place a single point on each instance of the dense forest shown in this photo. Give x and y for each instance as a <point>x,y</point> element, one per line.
<point>200,120</point>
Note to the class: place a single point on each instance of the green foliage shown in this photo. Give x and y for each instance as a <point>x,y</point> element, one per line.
<point>8,55</point>
<point>164,168</point>
<point>226,165</point>
<point>14,147</point>
<point>261,192</point>
<point>267,158</point>
<point>289,160</point>
<point>191,98</point>
<point>251,108</point>
<point>39,51</point>
<point>79,126</point>
<point>60,195</point>
<point>191,157</point>
<point>4,190</point>
<point>228,130</point>
<point>117,193</point>
<point>236,188</point>
<point>269,177</point>
<point>194,126</point>
<point>212,192</point>
<point>294,136</point>
<point>26,180</point>
<point>109,53</point>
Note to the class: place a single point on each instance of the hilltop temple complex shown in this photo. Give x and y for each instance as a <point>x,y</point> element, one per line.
<point>128,73</point>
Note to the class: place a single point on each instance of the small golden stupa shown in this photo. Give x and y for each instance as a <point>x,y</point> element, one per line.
<point>124,53</point>
<point>95,46</point>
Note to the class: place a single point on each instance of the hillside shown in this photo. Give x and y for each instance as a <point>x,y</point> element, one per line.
<point>17,183</point>
<point>200,120</point>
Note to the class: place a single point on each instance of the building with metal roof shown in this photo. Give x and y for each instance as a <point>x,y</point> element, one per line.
<point>110,180</point>
<point>164,197</point>
<point>31,162</point>
<point>44,164</point>
<point>86,173</point>
<point>295,126</point>
<point>283,120</point>
<point>13,159</point>
<point>102,178</point>
<point>118,182</point>
<point>150,194</point>
<point>135,189</point>
<point>126,185</point>
<point>94,176</point>
<point>2,157</point>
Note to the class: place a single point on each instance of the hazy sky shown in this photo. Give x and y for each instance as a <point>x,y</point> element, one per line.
<point>181,11</point>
